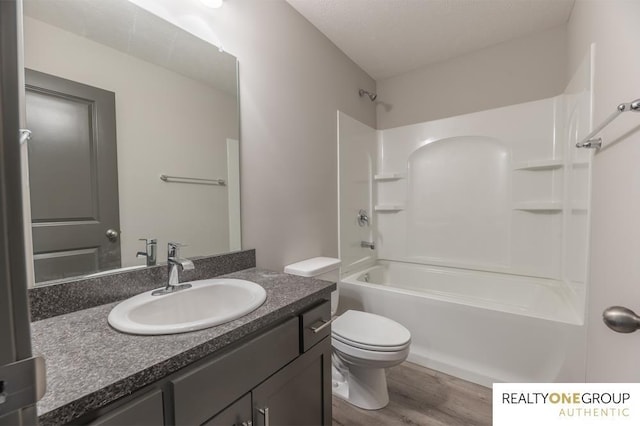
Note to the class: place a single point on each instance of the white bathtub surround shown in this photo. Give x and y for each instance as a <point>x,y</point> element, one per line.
<point>503,190</point>
<point>481,226</point>
<point>356,165</point>
<point>483,191</point>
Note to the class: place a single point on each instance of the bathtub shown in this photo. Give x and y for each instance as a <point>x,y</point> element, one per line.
<point>480,326</point>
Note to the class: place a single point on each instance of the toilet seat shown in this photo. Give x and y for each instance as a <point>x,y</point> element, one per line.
<point>370,332</point>
<point>359,345</point>
<point>367,358</point>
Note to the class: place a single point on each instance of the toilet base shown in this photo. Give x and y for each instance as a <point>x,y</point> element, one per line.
<point>365,388</point>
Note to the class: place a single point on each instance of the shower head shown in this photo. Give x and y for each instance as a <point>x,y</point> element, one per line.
<point>371,96</point>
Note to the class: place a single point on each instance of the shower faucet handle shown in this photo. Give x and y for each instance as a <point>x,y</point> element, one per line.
<point>363,218</point>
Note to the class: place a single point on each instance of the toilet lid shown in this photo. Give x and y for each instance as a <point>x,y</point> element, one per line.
<point>370,330</point>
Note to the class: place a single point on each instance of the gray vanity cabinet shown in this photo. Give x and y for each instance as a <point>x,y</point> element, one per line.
<point>287,371</point>
<point>277,377</point>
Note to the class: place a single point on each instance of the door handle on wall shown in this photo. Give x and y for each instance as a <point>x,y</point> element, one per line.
<point>621,319</point>
<point>112,235</point>
<point>25,135</point>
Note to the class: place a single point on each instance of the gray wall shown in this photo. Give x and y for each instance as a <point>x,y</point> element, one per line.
<point>292,82</point>
<point>520,70</point>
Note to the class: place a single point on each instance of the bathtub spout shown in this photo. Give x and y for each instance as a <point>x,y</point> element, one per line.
<point>368,244</point>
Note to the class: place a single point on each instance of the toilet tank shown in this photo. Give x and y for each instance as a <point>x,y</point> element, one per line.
<point>322,268</point>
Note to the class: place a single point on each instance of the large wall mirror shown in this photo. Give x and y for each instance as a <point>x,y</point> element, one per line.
<point>135,133</point>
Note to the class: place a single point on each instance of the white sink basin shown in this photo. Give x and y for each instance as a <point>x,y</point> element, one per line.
<point>205,304</point>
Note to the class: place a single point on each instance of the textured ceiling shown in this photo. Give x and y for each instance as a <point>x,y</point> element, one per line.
<point>128,28</point>
<point>391,37</point>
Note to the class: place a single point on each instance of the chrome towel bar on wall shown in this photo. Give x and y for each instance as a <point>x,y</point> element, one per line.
<point>200,181</point>
<point>590,142</point>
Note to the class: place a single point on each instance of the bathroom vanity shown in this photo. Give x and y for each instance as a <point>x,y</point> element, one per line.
<point>268,378</point>
<point>268,367</point>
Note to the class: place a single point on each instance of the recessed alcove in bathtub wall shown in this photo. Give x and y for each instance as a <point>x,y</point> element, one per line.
<point>484,191</point>
<point>459,202</point>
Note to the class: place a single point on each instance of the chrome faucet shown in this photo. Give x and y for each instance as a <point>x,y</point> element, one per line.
<point>150,248</point>
<point>174,265</point>
<point>368,244</point>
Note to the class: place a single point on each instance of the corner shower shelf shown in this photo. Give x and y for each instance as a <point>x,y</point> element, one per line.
<point>539,206</point>
<point>539,165</point>
<point>388,176</point>
<point>389,208</point>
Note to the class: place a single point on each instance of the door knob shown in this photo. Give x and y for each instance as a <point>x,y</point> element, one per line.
<point>621,319</point>
<point>112,235</point>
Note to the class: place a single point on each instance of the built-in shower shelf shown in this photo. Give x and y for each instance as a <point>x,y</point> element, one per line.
<point>579,206</point>
<point>539,206</point>
<point>539,165</point>
<point>389,208</point>
<point>580,164</point>
<point>388,176</point>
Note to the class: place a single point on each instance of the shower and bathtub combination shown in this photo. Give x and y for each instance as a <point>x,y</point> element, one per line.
<point>476,237</point>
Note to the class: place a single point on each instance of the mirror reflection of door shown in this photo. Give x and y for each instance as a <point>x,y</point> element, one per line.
<point>73,177</point>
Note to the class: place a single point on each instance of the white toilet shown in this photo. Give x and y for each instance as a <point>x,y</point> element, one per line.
<point>364,344</point>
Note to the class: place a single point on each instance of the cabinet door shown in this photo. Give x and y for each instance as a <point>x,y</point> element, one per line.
<point>237,414</point>
<point>200,393</point>
<point>299,394</point>
<point>144,411</point>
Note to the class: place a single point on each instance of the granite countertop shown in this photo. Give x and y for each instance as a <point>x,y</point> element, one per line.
<point>89,364</point>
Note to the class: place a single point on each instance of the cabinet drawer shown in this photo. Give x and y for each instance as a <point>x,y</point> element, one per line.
<point>144,411</point>
<point>313,319</point>
<point>206,390</point>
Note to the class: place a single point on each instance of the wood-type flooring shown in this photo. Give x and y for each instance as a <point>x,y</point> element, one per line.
<point>419,396</point>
